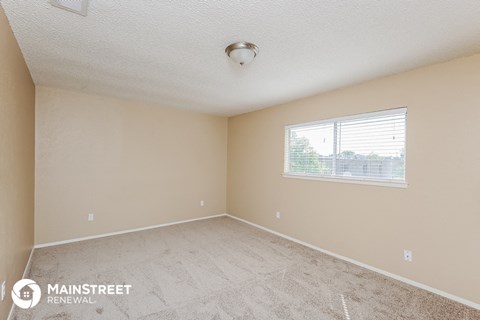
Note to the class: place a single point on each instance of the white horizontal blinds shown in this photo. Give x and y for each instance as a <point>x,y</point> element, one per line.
<point>372,147</point>
<point>367,147</point>
<point>310,150</point>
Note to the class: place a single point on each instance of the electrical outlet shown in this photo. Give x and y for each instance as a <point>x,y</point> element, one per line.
<point>2,291</point>
<point>202,203</point>
<point>277,214</point>
<point>90,217</point>
<point>408,255</point>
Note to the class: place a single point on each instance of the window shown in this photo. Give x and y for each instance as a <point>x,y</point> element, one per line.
<point>369,147</point>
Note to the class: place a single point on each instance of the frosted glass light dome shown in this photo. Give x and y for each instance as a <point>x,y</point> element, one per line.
<point>242,53</point>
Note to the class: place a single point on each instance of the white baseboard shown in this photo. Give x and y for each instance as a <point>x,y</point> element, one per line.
<point>49,244</point>
<point>29,262</point>
<point>27,267</point>
<point>366,266</point>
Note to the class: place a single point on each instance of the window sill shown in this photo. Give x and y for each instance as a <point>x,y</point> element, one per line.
<point>378,183</point>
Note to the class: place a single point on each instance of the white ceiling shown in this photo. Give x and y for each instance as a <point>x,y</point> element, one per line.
<point>172,52</point>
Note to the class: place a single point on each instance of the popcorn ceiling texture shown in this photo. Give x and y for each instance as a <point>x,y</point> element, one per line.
<point>224,269</point>
<point>172,52</point>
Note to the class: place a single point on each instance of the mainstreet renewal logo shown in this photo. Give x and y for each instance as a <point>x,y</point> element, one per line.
<point>81,293</point>
<point>26,293</point>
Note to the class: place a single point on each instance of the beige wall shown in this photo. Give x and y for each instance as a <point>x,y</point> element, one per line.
<point>131,164</point>
<point>437,216</point>
<point>17,94</point>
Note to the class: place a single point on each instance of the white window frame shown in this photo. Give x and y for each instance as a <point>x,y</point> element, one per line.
<point>343,179</point>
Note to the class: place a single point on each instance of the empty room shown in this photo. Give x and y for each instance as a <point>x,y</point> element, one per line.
<point>201,160</point>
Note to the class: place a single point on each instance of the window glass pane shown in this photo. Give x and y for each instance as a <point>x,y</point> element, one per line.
<point>367,147</point>
<point>372,147</point>
<point>311,150</point>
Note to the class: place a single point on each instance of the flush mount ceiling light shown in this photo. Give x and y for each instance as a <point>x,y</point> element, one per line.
<point>242,52</point>
<point>76,6</point>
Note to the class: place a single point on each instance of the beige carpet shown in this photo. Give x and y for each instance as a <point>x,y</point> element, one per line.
<point>224,269</point>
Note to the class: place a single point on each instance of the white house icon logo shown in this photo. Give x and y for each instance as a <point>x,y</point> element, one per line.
<point>26,293</point>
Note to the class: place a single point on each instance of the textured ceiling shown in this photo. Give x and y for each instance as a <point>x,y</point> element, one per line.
<point>172,52</point>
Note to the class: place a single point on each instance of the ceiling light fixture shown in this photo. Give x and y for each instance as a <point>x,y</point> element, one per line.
<point>242,52</point>
<point>77,6</point>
